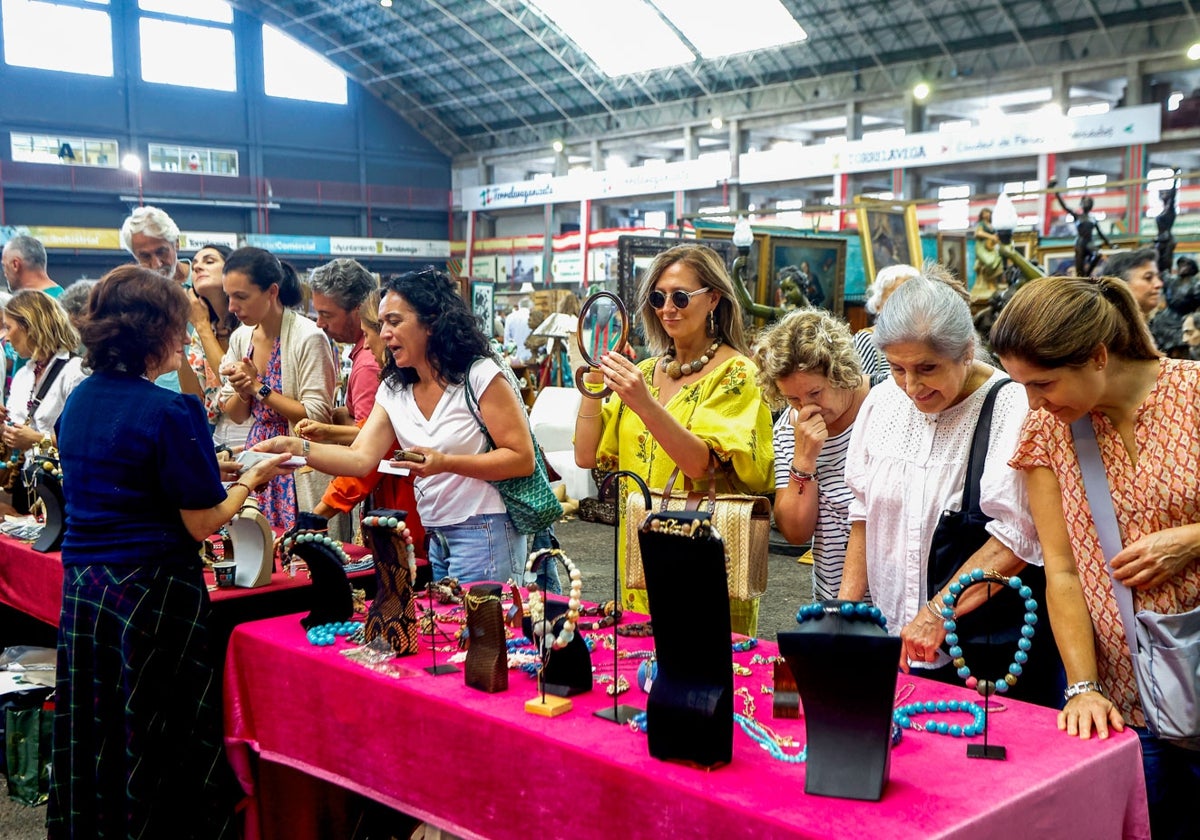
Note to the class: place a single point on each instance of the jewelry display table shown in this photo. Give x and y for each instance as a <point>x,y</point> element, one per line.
<point>477,765</point>
<point>31,594</point>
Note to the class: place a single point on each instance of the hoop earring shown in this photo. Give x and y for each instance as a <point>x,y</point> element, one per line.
<point>712,323</point>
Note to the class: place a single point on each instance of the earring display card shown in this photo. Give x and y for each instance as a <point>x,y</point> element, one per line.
<point>847,709</point>
<point>689,713</point>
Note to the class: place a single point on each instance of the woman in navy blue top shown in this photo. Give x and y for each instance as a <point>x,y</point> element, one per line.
<point>137,729</point>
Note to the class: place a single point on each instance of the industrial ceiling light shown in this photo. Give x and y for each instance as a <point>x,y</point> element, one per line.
<point>387,4</point>
<point>131,162</point>
<point>920,91</point>
<point>717,122</point>
<point>1194,51</point>
<point>558,146</point>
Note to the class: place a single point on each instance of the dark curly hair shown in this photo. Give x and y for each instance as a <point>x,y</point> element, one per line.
<point>134,320</point>
<point>455,338</point>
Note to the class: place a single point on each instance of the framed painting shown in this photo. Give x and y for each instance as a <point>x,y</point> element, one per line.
<point>1025,243</point>
<point>483,304</point>
<point>808,269</point>
<point>634,256</point>
<point>889,232</point>
<point>1058,261</point>
<point>952,252</point>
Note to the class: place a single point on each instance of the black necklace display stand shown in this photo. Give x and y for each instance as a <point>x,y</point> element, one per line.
<point>435,669</point>
<point>689,713</point>
<point>568,670</point>
<point>620,712</point>
<point>392,615</point>
<point>486,666</point>
<point>332,598</point>
<point>845,669</point>
<point>48,488</point>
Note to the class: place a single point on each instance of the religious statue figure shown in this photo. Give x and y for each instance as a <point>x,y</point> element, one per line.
<point>1087,255</point>
<point>1164,243</point>
<point>988,265</point>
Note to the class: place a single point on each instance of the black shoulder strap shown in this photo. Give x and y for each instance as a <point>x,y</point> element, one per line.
<point>48,380</point>
<point>979,448</point>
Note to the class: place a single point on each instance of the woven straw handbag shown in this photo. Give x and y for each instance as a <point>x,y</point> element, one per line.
<point>743,522</point>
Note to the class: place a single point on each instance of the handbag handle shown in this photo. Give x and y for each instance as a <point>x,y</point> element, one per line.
<point>637,479</point>
<point>693,498</point>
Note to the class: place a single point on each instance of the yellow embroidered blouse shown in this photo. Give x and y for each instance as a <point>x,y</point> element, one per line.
<point>724,408</point>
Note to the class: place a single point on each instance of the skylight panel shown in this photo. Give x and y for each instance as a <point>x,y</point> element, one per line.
<point>718,28</point>
<point>621,36</point>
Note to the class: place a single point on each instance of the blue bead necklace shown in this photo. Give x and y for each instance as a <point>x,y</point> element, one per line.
<point>904,714</point>
<point>745,645</point>
<point>326,634</point>
<point>752,728</point>
<point>858,611</point>
<point>1020,657</point>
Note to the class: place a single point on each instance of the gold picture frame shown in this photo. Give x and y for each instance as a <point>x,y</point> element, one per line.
<point>889,232</point>
<point>952,252</point>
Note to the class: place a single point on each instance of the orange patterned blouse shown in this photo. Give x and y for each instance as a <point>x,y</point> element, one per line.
<point>1162,491</point>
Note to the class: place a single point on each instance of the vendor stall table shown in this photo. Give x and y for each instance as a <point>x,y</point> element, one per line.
<point>31,594</point>
<point>477,765</point>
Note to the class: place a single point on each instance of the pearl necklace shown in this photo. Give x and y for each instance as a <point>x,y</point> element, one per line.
<point>676,370</point>
<point>537,607</point>
<point>1020,656</point>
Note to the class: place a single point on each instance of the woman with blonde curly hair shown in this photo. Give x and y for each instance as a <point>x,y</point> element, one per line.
<point>807,362</point>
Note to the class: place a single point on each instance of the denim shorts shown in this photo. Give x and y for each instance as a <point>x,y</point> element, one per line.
<point>483,547</point>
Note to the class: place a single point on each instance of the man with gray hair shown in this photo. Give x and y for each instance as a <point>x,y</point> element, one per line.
<point>153,239</point>
<point>24,259</point>
<point>339,288</point>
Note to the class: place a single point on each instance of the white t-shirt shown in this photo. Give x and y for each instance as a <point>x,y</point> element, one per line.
<point>905,467</point>
<point>47,412</point>
<point>446,498</point>
<point>833,502</point>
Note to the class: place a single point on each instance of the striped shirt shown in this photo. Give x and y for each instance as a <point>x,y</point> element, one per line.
<point>833,502</point>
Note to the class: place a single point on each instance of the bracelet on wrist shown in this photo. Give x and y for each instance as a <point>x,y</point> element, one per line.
<point>304,446</point>
<point>1084,687</point>
<point>800,476</point>
<point>929,605</point>
<point>244,486</point>
<point>588,416</point>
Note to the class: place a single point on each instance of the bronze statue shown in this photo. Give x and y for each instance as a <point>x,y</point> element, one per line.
<point>1086,254</point>
<point>1164,243</point>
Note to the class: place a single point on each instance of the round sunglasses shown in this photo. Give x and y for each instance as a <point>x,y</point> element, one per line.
<point>679,297</point>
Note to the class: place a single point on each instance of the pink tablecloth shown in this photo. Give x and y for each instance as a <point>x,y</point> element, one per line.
<point>476,764</point>
<point>31,581</point>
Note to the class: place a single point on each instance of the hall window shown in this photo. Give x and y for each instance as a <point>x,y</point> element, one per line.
<point>75,38</point>
<point>193,160</point>
<point>293,71</point>
<point>68,150</point>
<point>954,207</point>
<point>174,32</point>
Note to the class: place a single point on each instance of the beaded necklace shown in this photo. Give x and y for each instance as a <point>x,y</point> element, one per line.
<point>858,611</point>
<point>397,525</point>
<point>675,370</point>
<point>1020,657</point>
<point>904,714</point>
<point>537,605</point>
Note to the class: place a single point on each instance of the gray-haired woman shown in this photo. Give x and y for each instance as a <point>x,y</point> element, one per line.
<point>907,464</point>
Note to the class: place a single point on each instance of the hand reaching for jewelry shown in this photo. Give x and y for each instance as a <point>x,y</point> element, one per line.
<point>312,430</point>
<point>921,639</point>
<point>21,437</point>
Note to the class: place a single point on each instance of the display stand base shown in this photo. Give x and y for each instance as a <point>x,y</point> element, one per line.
<point>548,706</point>
<point>992,751</point>
<point>439,670</point>
<point>619,714</point>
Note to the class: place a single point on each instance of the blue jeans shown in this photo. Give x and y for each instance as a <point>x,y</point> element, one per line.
<point>483,547</point>
<point>547,578</point>
<point>1172,786</point>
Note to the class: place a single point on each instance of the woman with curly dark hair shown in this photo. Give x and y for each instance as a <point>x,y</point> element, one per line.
<point>435,351</point>
<point>137,726</point>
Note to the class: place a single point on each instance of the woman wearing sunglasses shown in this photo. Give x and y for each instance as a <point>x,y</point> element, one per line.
<point>695,401</point>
